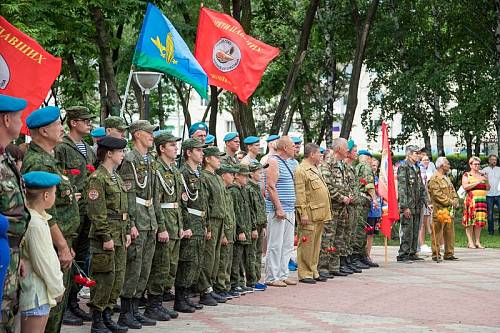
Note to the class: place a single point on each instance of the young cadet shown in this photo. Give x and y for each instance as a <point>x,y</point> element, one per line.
<point>194,225</point>
<point>214,187</point>
<point>137,171</point>
<point>168,186</point>
<point>107,209</point>
<point>243,263</point>
<point>259,219</point>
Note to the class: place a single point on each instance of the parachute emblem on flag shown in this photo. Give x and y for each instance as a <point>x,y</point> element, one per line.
<point>226,55</point>
<point>4,73</point>
<point>167,50</point>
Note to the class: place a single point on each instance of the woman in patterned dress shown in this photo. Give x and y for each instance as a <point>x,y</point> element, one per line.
<point>475,211</point>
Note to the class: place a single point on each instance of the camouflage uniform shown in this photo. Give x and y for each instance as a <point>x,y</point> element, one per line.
<point>138,178</point>
<point>352,209</point>
<point>366,182</point>
<point>230,160</point>
<point>258,212</point>
<point>12,205</point>
<point>335,233</point>
<point>65,214</point>
<point>412,195</point>
<point>107,211</point>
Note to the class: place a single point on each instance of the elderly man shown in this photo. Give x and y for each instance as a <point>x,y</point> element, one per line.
<point>493,196</point>
<point>443,198</point>
<point>232,141</point>
<point>313,210</point>
<point>198,131</point>
<point>412,196</point>
<point>280,208</point>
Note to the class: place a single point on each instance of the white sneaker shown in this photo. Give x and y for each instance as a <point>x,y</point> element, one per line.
<point>425,249</point>
<point>84,293</point>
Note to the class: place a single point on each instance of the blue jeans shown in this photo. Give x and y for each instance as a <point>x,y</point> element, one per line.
<point>491,201</point>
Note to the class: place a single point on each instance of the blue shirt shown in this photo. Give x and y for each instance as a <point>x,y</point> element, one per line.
<point>285,187</point>
<point>376,212</point>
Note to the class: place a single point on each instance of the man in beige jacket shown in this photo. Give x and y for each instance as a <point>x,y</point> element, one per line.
<point>313,210</point>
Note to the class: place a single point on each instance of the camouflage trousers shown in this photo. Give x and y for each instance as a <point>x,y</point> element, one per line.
<point>159,269</point>
<point>359,233</point>
<point>351,223</point>
<point>258,246</point>
<point>10,301</point>
<point>190,258</point>
<point>409,234</point>
<point>173,260</point>
<point>333,237</point>
<point>140,255</point>
<point>81,246</point>
<point>54,322</point>
<point>223,281</point>
<point>211,256</point>
<point>242,260</point>
<point>107,268</point>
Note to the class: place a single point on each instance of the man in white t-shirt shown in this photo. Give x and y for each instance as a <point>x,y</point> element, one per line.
<point>492,171</point>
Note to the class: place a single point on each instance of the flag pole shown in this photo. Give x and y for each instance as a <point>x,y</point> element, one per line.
<point>385,251</point>
<point>126,91</point>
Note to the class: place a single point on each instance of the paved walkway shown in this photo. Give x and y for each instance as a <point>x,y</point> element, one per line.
<point>461,296</point>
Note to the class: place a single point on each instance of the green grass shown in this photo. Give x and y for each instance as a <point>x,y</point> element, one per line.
<point>489,241</point>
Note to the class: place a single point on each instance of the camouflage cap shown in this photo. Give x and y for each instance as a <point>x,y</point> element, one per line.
<point>226,168</point>
<point>243,169</point>
<point>115,122</point>
<point>142,125</point>
<point>165,137</point>
<point>257,166</point>
<point>193,143</point>
<point>212,151</point>
<point>78,112</point>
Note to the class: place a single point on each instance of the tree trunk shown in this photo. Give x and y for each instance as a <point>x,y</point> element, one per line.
<point>468,144</point>
<point>183,99</point>
<point>497,52</point>
<point>289,120</point>
<point>214,111</point>
<point>161,112</point>
<point>139,99</point>
<point>294,69</point>
<point>477,146</point>
<point>106,60</point>
<point>103,96</point>
<point>305,122</point>
<point>427,140</point>
<point>75,74</point>
<point>362,31</point>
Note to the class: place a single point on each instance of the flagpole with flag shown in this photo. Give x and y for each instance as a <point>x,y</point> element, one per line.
<point>387,189</point>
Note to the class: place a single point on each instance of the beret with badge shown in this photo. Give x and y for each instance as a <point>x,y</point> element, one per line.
<point>230,136</point>
<point>199,126</point>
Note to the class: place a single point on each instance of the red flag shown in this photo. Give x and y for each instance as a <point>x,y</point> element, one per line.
<point>232,60</point>
<point>387,187</point>
<point>26,69</point>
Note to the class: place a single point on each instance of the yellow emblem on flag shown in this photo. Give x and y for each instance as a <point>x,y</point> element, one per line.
<point>167,50</point>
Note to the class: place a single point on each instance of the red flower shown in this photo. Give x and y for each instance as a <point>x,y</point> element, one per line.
<point>74,172</point>
<point>79,279</point>
<point>363,181</point>
<point>90,283</point>
<point>90,168</point>
<point>304,239</point>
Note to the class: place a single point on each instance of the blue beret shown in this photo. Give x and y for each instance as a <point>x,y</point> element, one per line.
<point>250,140</point>
<point>230,136</point>
<point>98,132</point>
<point>350,145</point>
<point>322,150</point>
<point>11,104</point>
<point>296,139</point>
<point>364,152</point>
<point>209,139</point>
<point>272,137</point>
<point>41,179</point>
<point>43,117</point>
<point>198,126</point>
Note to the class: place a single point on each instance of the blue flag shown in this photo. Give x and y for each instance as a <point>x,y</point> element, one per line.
<point>161,48</point>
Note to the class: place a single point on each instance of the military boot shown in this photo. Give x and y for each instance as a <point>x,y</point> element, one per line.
<point>139,316</point>
<point>74,307</point>
<point>168,296</point>
<point>352,266</point>
<point>154,309</point>
<point>192,304</point>
<point>343,266</point>
<point>356,261</point>
<point>97,323</point>
<point>126,315</point>
<point>180,303</point>
<point>110,324</point>
<point>207,299</point>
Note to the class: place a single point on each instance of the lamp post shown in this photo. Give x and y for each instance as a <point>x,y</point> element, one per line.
<point>147,81</point>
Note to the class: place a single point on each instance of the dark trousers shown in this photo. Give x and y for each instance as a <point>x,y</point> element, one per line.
<point>491,201</point>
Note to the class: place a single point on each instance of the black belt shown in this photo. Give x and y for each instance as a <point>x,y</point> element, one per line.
<point>121,217</point>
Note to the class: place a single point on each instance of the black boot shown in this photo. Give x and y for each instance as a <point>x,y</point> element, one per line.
<point>154,309</point>
<point>139,316</point>
<point>357,262</point>
<point>126,315</point>
<point>168,296</point>
<point>110,324</point>
<point>207,299</point>
<point>117,308</point>
<point>343,266</point>
<point>97,323</point>
<point>367,261</point>
<point>350,264</point>
<point>69,318</point>
<point>180,302</point>
<point>189,302</point>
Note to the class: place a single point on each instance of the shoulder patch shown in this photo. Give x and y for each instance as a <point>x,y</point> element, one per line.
<point>127,184</point>
<point>93,195</point>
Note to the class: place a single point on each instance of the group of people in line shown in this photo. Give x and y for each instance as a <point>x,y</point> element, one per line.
<point>140,225</point>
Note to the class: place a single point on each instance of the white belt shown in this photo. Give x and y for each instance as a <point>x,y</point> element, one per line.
<point>196,212</point>
<point>146,203</point>
<point>170,205</point>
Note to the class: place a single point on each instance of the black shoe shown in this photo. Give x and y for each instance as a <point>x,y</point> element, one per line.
<point>168,296</point>
<point>355,268</point>
<point>356,261</point>
<point>143,302</point>
<point>75,308</point>
<point>180,303</point>
<point>414,257</point>
<point>326,275</point>
<point>218,297</point>
<point>225,294</point>
<point>403,258</point>
<point>367,261</point>
<point>338,273</point>
<point>70,319</point>
<point>155,310</point>
<point>190,302</point>
<point>139,316</point>
<point>207,299</point>
<point>117,308</point>
<point>97,323</point>
<point>247,289</point>
<point>110,324</point>
<point>436,259</point>
<point>126,317</point>
<point>345,270</point>
<point>321,279</point>
<point>234,293</point>
<point>451,258</point>
<point>308,281</point>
